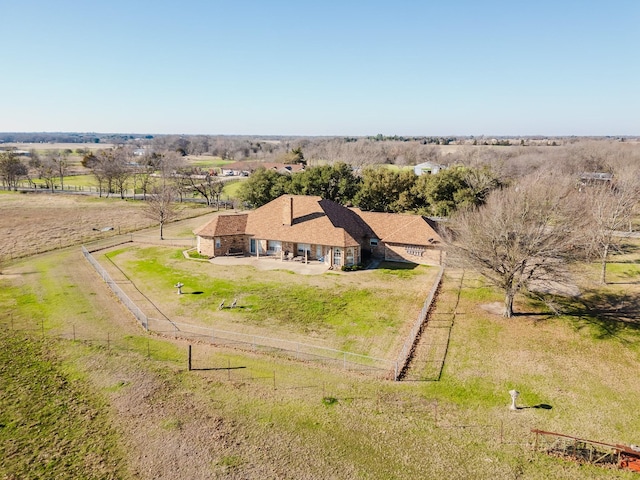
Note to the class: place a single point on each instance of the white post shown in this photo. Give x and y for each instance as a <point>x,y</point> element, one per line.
<point>514,395</point>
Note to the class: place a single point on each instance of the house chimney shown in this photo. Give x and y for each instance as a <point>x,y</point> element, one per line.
<point>287,213</point>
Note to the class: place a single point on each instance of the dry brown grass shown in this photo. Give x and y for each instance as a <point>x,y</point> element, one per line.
<point>32,223</point>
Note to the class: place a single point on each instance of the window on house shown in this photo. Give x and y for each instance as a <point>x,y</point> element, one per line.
<point>350,259</point>
<point>337,256</point>
<point>373,242</point>
<point>217,243</point>
<point>274,246</point>
<point>414,250</point>
<point>304,247</point>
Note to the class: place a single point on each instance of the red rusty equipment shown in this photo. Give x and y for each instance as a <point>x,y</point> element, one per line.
<point>590,451</point>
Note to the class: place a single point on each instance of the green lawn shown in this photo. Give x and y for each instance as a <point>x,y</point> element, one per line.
<point>52,424</point>
<point>293,419</point>
<point>231,189</point>
<point>364,311</point>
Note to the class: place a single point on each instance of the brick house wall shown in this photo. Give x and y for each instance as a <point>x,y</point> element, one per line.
<point>228,244</point>
<point>206,246</point>
<point>414,254</point>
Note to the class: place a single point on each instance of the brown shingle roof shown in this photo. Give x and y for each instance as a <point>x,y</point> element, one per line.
<point>314,221</point>
<point>307,219</point>
<point>401,228</point>
<point>222,225</point>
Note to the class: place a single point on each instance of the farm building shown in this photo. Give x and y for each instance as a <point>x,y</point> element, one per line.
<point>304,228</point>
<point>427,168</point>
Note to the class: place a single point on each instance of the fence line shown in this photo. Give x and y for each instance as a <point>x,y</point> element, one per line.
<point>133,308</point>
<point>298,350</point>
<point>405,353</point>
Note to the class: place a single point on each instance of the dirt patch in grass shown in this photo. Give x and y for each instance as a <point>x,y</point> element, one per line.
<point>494,308</point>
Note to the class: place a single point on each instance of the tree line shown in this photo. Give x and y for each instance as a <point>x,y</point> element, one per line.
<point>376,188</point>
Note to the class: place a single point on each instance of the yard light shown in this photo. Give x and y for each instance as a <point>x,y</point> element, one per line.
<point>179,286</point>
<point>514,395</point>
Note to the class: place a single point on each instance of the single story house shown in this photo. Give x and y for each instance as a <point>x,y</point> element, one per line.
<point>246,168</point>
<point>427,168</point>
<point>299,227</point>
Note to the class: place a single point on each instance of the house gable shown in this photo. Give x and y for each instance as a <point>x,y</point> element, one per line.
<point>223,225</point>
<point>306,219</point>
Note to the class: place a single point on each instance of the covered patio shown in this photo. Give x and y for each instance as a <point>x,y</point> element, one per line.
<point>312,267</point>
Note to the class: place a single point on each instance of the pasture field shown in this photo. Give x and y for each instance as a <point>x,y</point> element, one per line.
<point>36,222</point>
<point>244,415</point>
<point>206,161</point>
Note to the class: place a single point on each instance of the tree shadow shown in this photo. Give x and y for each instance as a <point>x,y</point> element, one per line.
<point>542,406</point>
<point>609,313</point>
<point>626,248</point>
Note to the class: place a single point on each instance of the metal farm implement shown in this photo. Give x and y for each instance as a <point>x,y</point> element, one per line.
<point>588,451</point>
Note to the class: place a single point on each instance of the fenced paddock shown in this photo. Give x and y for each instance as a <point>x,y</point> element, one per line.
<point>376,367</point>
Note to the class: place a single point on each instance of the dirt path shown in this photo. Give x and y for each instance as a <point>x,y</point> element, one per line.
<point>431,350</point>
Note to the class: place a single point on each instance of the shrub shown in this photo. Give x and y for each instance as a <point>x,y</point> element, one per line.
<point>352,268</point>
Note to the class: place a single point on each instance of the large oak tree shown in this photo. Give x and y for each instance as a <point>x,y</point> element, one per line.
<point>522,234</point>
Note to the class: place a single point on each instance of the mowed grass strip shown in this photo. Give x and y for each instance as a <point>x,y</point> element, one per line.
<point>50,425</point>
<point>363,312</point>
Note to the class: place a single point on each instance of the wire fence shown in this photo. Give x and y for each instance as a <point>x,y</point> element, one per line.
<point>377,367</point>
<point>506,429</point>
<point>127,302</point>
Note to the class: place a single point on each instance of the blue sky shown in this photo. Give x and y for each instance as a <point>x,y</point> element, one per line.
<point>321,68</point>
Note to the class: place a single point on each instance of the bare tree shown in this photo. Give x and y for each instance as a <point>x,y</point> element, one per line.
<point>206,184</point>
<point>61,161</point>
<point>523,234</point>
<point>160,206</point>
<point>142,178</point>
<point>610,207</point>
<point>45,168</point>
<point>121,170</point>
<point>11,169</point>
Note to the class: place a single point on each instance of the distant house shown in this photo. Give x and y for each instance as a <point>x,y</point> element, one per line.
<point>427,168</point>
<point>240,168</point>
<point>311,228</point>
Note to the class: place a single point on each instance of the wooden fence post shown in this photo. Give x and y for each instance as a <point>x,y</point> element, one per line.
<point>189,363</point>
